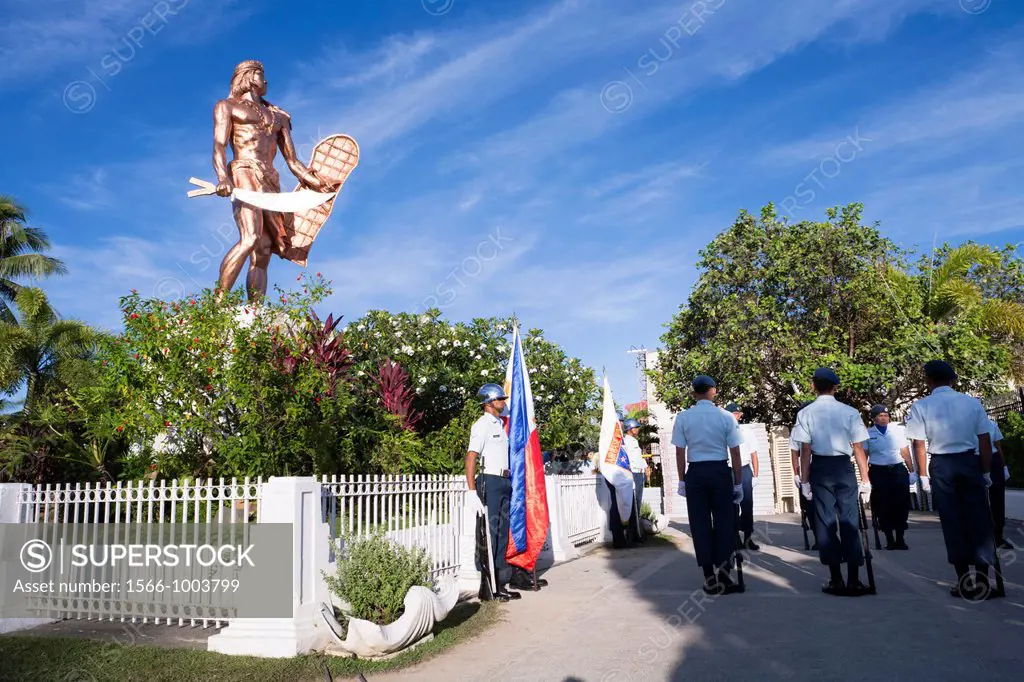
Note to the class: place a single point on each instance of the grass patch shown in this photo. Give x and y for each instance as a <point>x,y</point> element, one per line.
<point>65,658</point>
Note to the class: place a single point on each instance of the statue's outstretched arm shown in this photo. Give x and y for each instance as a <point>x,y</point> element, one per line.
<point>305,176</point>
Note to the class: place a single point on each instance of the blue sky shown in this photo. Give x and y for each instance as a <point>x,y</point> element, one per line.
<point>592,147</point>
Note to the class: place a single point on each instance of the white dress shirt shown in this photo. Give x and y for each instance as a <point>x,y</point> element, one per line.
<point>636,456</point>
<point>488,439</point>
<point>884,448</point>
<point>830,427</point>
<point>748,447</point>
<point>707,432</point>
<point>995,434</point>
<point>950,421</point>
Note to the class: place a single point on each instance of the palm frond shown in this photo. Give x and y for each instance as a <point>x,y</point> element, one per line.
<point>1003,317</point>
<point>955,295</point>
<point>959,261</point>
<point>32,265</point>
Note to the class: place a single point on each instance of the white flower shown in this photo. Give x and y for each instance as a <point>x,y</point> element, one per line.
<point>394,322</point>
<point>408,350</point>
<point>548,397</point>
<point>443,388</point>
<point>476,357</point>
<point>445,352</point>
<point>376,335</point>
<point>424,318</point>
<point>569,391</point>
<point>443,342</point>
<point>398,333</point>
<point>483,372</point>
<point>361,327</point>
<point>543,368</point>
<point>429,347</point>
<point>359,373</point>
<point>541,387</point>
<point>483,346</point>
<point>344,329</point>
<point>423,380</point>
<point>419,390</point>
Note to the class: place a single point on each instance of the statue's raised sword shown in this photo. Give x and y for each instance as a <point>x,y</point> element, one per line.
<point>281,202</point>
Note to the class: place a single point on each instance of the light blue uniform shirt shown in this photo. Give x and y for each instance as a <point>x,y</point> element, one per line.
<point>996,436</point>
<point>950,421</point>
<point>884,448</point>
<point>707,432</point>
<point>830,427</point>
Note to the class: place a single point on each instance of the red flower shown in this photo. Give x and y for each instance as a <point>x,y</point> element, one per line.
<point>318,274</point>
<point>133,316</point>
<point>134,291</point>
<point>192,302</point>
<point>135,355</point>
<point>195,340</point>
<point>318,399</point>
<point>209,370</point>
<point>299,278</point>
<point>120,428</point>
<point>209,387</point>
<point>165,424</point>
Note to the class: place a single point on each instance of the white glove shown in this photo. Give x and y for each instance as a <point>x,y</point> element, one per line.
<point>913,478</point>
<point>988,480</point>
<point>796,482</point>
<point>753,482</point>
<point>681,490</point>
<point>805,490</point>
<point>737,493</point>
<point>1006,473</point>
<point>475,505</point>
<point>865,491</point>
<point>926,484</point>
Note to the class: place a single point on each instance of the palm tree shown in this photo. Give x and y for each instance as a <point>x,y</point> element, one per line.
<point>953,293</point>
<point>39,347</point>
<point>20,256</point>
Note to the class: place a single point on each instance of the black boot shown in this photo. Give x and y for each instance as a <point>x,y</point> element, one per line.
<point>901,542</point>
<point>748,543</point>
<point>890,543</point>
<point>835,585</point>
<point>964,588</point>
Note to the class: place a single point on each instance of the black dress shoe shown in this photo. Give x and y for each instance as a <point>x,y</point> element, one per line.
<point>834,587</point>
<point>901,545</point>
<point>500,598</point>
<point>507,595</point>
<point>1004,544</point>
<point>541,582</point>
<point>751,545</point>
<point>522,582</point>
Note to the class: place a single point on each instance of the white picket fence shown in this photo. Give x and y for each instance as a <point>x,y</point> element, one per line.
<point>162,506</point>
<point>412,510</point>
<point>580,511</point>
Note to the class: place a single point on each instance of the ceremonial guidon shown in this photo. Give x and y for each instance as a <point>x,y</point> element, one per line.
<point>889,468</point>
<point>638,467</point>
<point>829,432</point>
<point>955,427</point>
<point>997,491</point>
<point>488,442</point>
<point>704,435</point>
<point>749,471</point>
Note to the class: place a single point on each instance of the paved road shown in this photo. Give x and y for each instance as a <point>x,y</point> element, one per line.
<point>1015,504</point>
<point>638,615</point>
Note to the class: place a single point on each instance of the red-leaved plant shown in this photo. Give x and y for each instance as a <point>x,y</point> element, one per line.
<point>396,394</point>
<point>322,346</point>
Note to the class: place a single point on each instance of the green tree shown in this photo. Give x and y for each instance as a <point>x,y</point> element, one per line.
<point>774,300</point>
<point>20,255</point>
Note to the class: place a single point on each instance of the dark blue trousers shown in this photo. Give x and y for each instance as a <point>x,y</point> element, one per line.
<point>497,495</point>
<point>997,496</point>
<point>635,529</point>
<point>890,496</point>
<point>747,505</point>
<point>834,489</point>
<point>962,502</point>
<point>711,512</point>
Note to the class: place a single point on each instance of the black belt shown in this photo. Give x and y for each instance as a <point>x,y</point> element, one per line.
<point>504,473</point>
<point>951,454</point>
<point>888,466</point>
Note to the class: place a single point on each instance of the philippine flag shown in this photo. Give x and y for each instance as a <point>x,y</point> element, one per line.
<point>528,509</point>
<point>613,458</point>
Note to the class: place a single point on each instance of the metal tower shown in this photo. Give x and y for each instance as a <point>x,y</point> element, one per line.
<point>641,368</point>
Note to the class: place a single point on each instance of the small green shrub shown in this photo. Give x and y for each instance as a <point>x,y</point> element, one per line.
<point>1012,426</point>
<point>374,575</point>
<point>646,512</point>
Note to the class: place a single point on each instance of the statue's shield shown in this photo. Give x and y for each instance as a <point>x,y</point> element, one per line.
<point>333,159</point>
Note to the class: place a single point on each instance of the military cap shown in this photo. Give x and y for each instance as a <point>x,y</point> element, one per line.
<point>733,407</point>
<point>939,370</point>
<point>702,382</point>
<point>879,409</point>
<point>826,374</point>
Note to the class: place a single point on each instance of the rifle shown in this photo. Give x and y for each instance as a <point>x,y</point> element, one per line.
<point>1000,587</point>
<point>865,544</point>
<point>488,582</point>
<point>739,552</point>
<point>801,500</point>
<point>874,525</point>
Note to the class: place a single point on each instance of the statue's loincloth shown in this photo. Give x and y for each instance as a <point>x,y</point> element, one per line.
<point>263,177</point>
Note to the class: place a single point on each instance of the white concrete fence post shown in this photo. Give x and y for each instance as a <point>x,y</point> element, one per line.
<point>558,536</point>
<point>11,511</point>
<point>294,500</point>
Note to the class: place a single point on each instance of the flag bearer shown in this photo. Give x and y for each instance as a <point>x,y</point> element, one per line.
<point>955,426</point>
<point>749,463</point>
<point>828,433</point>
<point>488,442</point>
<point>638,467</point>
<point>704,436</point>
<point>997,493</point>
<point>889,467</point>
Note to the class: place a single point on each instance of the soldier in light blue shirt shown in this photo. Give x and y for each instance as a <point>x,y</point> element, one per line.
<point>889,469</point>
<point>704,436</point>
<point>956,426</point>
<point>828,433</point>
